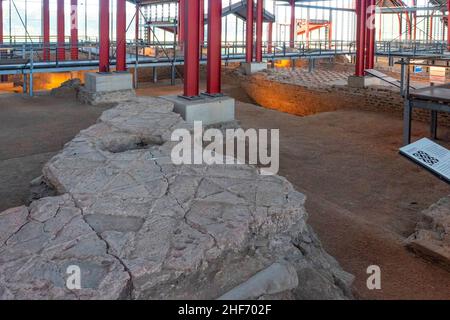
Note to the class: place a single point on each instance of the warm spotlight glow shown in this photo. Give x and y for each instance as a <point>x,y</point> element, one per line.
<point>282,63</point>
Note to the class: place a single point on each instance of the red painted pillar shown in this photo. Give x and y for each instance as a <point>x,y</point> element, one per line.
<point>103,65</point>
<point>137,16</point>
<point>192,48</point>
<point>370,34</point>
<point>269,37</point>
<point>121,27</point>
<point>60,43</point>
<point>3,78</point>
<point>181,17</point>
<point>1,21</point>
<point>74,29</point>
<point>45,30</point>
<point>214,66</point>
<point>292,25</point>
<point>259,29</point>
<point>249,33</point>
<point>448,25</point>
<point>202,22</point>
<point>360,37</point>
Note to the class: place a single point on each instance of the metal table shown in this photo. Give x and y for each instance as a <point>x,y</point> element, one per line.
<point>433,98</point>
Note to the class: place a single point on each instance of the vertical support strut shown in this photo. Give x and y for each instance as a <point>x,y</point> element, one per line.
<point>181,17</point>
<point>192,48</point>
<point>3,78</point>
<point>202,22</point>
<point>292,25</point>
<point>74,29</point>
<point>259,29</point>
<point>121,21</point>
<point>1,21</point>
<point>46,30</point>
<point>213,85</point>
<point>269,37</point>
<point>360,37</point>
<point>370,34</point>
<point>103,65</point>
<point>60,50</point>
<point>249,33</point>
<point>448,25</point>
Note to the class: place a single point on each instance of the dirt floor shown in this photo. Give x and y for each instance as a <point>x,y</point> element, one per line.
<point>363,198</point>
<point>32,131</point>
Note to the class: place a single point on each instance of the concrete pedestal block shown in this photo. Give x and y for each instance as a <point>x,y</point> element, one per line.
<point>253,67</point>
<point>209,110</point>
<point>108,82</point>
<point>103,88</point>
<point>363,82</point>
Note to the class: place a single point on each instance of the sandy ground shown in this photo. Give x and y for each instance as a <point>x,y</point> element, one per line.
<point>364,199</point>
<point>32,131</point>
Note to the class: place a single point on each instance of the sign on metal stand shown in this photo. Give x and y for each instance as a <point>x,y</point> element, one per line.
<point>430,155</point>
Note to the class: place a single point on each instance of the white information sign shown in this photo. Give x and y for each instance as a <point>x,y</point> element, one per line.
<point>430,155</point>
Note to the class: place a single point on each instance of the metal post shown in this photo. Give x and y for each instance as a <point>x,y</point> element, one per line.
<point>249,33</point>
<point>448,25</point>
<point>192,48</point>
<point>1,21</point>
<point>103,65</point>
<point>269,37</point>
<point>46,30</point>
<point>181,17</point>
<point>202,22</point>
<point>370,34</point>
<point>2,77</point>
<point>74,29</point>
<point>31,72</point>
<point>213,72</point>
<point>121,63</point>
<point>360,37</point>
<point>292,25</point>
<point>60,50</point>
<point>259,29</point>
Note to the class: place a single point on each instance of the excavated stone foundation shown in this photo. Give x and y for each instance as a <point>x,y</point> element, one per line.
<point>140,227</point>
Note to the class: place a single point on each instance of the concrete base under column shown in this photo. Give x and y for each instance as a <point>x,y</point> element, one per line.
<point>102,88</point>
<point>253,67</point>
<point>209,110</point>
<point>363,82</point>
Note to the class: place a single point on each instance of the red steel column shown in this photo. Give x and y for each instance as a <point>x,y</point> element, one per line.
<point>269,37</point>
<point>292,25</point>
<point>259,29</point>
<point>45,30</point>
<point>370,34</point>
<point>121,28</point>
<point>360,37</point>
<point>214,66</point>
<point>448,25</point>
<point>103,65</point>
<point>1,21</point>
<point>3,78</point>
<point>60,50</point>
<point>181,17</point>
<point>202,22</point>
<point>192,48</point>
<point>74,29</point>
<point>249,33</point>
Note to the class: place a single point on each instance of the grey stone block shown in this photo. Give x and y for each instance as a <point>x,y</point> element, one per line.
<point>209,110</point>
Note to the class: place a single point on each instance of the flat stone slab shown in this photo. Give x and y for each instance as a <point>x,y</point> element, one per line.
<point>140,227</point>
<point>253,67</point>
